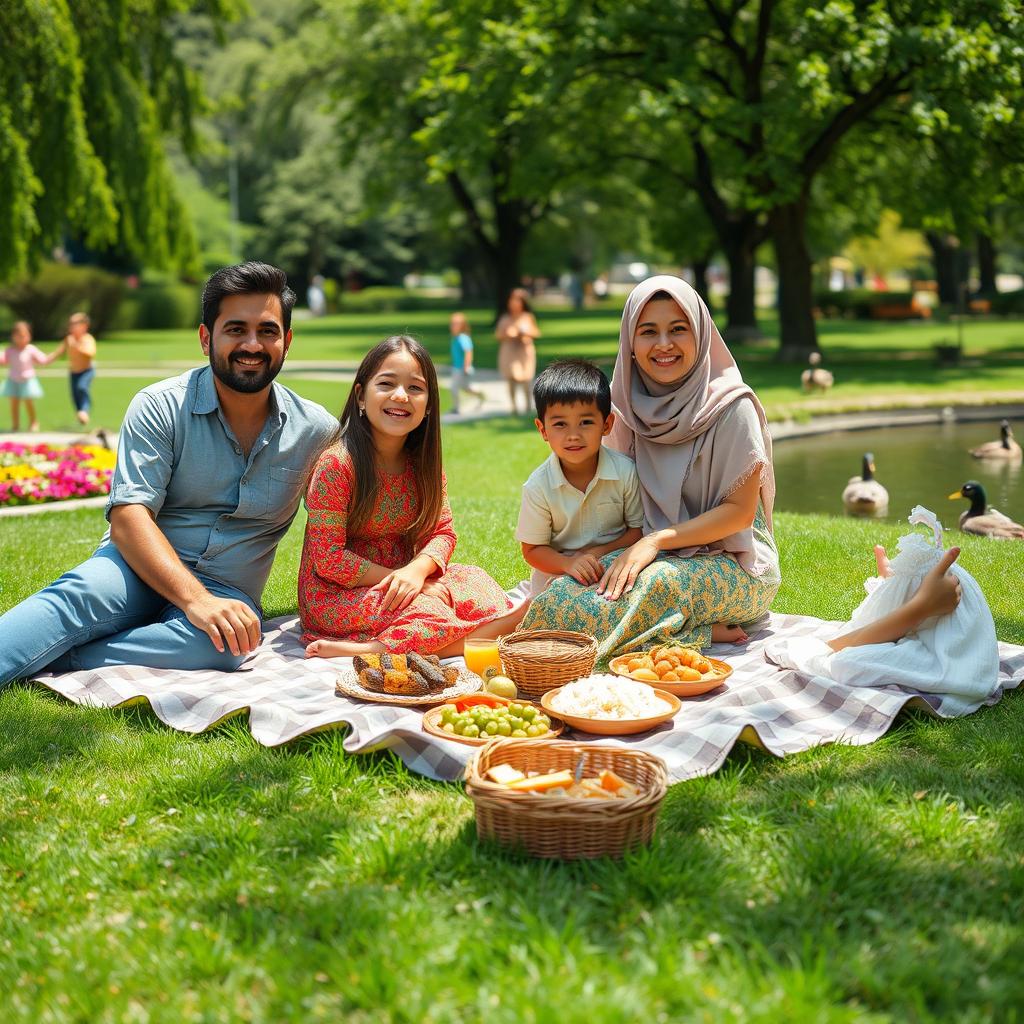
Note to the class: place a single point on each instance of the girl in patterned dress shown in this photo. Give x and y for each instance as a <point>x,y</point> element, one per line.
<point>375,573</point>
<point>707,562</point>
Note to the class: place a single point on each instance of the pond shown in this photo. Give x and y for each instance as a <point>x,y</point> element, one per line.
<point>918,465</point>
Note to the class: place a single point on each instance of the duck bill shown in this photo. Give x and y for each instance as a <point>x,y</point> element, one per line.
<point>954,496</point>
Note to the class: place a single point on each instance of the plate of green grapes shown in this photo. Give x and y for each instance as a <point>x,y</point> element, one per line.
<point>479,717</point>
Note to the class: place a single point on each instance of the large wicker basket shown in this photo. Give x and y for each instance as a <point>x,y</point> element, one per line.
<point>538,660</point>
<point>566,828</point>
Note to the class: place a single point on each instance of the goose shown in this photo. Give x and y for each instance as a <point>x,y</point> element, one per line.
<point>864,495</point>
<point>1004,448</point>
<point>982,520</point>
<point>816,378</point>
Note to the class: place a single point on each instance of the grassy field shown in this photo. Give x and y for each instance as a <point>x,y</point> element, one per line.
<point>875,364</point>
<point>147,875</point>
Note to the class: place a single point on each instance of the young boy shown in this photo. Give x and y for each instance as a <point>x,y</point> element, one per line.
<point>584,500</point>
<point>80,346</point>
<point>462,362</point>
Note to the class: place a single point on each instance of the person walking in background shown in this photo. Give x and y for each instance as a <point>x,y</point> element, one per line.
<point>21,358</point>
<point>80,347</point>
<point>517,357</point>
<point>462,361</point>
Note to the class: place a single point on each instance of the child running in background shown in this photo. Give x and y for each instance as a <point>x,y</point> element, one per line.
<point>80,346</point>
<point>584,500</point>
<point>375,573</point>
<point>462,361</point>
<point>21,358</point>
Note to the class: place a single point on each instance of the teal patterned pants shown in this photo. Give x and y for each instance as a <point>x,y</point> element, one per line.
<point>673,600</point>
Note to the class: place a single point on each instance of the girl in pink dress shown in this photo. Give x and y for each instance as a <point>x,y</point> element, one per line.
<point>21,358</point>
<point>376,572</point>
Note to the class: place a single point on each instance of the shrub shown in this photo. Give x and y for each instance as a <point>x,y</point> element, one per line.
<point>161,304</point>
<point>385,299</point>
<point>863,304</point>
<point>58,290</point>
<point>1008,303</point>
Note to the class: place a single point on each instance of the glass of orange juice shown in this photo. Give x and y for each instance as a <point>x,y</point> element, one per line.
<point>482,654</point>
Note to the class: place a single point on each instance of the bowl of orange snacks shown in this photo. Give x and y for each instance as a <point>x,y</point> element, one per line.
<point>681,671</point>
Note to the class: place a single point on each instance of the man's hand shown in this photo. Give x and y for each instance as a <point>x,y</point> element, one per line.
<point>226,622</point>
<point>584,568</point>
<point>399,588</point>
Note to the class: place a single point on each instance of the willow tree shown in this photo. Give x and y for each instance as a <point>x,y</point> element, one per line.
<point>88,91</point>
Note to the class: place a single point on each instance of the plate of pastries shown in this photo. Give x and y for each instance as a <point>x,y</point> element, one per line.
<point>405,679</point>
<point>681,671</point>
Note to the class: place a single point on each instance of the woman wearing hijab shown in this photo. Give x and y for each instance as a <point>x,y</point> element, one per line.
<point>707,562</point>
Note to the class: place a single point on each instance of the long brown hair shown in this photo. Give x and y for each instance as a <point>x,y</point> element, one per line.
<point>423,444</point>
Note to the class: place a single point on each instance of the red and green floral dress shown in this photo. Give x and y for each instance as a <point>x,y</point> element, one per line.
<point>331,603</point>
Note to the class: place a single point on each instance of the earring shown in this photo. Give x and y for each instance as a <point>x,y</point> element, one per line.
<point>362,410</point>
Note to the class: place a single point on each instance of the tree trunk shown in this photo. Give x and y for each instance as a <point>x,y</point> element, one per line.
<point>700,278</point>
<point>798,331</point>
<point>986,264</point>
<point>950,262</point>
<point>476,282</point>
<point>507,256</point>
<point>739,239</point>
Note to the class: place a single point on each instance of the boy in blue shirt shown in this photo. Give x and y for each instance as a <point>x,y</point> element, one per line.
<point>462,361</point>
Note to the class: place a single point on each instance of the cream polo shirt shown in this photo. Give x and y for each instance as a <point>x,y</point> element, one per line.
<point>555,513</point>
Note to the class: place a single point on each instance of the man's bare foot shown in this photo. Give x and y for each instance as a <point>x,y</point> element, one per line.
<point>723,634</point>
<point>341,649</point>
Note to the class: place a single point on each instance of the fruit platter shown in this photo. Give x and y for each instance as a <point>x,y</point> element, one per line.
<point>681,671</point>
<point>407,679</point>
<point>480,717</point>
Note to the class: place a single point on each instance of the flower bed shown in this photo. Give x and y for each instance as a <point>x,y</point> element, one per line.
<point>35,473</point>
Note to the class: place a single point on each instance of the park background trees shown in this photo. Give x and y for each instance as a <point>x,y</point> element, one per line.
<point>364,138</point>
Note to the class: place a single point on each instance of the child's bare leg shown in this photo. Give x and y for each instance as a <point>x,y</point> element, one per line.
<point>30,408</point>
<point>15,414</point>
<point>343,648</point>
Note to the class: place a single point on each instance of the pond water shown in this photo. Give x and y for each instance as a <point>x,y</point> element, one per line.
<point>918,465</point>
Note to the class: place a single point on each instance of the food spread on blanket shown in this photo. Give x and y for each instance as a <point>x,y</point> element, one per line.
<point>667,664</point>
<point>605,786</point>
<point>410,675</point>
<point>483,718</point>
<point>608,697</point>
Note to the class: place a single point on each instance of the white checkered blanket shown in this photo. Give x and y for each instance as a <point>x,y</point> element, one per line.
<point>286,696</point>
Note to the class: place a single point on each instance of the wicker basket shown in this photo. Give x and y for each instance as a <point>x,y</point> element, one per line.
<point>567,829</point>
<point>538,660</point>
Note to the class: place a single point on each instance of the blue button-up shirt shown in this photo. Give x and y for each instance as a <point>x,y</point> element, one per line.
<point>223,513</point>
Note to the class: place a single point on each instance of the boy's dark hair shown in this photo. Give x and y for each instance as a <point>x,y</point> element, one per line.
<point>252,278</point>
<point>572,382</point>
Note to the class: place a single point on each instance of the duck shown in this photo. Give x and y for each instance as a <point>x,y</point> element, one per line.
<point>983,521</point>
<point>1004,448</point>
<point>864,495</point>
<point>815,378</point>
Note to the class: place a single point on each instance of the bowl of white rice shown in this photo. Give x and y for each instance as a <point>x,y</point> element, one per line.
<point>610,705</point>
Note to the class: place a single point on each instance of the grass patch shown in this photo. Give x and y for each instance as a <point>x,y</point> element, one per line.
<point>875,364</point>
<point>148,875</point>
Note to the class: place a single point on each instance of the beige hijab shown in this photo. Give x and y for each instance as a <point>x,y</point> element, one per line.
<point>665,427</point>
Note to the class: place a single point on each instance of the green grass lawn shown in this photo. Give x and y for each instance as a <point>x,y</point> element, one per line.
<point>874,363</point>
<point>146,875</point>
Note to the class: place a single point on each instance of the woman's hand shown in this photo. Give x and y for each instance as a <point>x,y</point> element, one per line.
<point>939,593</point>
<point>620,576</point>
<point>399,588</point>
<point>433,588</point>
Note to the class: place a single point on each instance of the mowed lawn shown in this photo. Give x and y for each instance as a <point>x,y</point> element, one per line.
<point>147,875</point>
<point>875,364</point>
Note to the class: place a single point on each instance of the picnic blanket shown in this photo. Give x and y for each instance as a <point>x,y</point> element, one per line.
<point>287,696</point>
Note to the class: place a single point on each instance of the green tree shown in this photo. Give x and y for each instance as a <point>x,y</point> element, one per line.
<point>755,97</point>
<point>88,91</point>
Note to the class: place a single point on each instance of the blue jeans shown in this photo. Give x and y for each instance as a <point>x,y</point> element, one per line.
<point>80,384</point>
<point>100,613</point>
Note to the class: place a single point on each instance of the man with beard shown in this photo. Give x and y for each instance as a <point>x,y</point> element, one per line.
<point>210,469</point>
